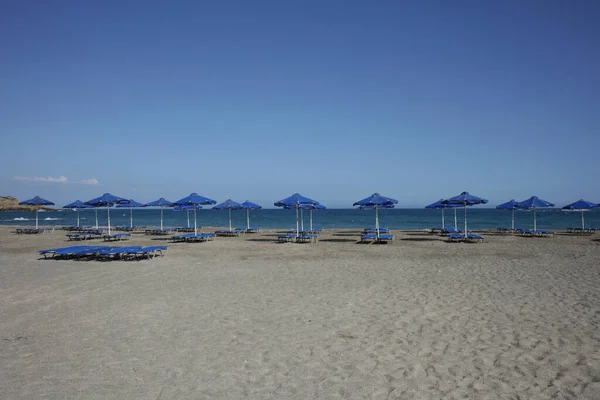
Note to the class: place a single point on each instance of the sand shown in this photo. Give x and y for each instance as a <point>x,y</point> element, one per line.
<point>246,318</point>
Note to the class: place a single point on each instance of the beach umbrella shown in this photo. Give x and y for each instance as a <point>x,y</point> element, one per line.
<point>162,203</point>
<point>581,205</point>
<point>534,203</point>
<point>439,205</point>
<point>310,210</point>
<point>131,204</point>
<point>509,205</point>
<point>106,200</point>
<point>39,202</point>
<point>195,199</point>
<point>228,205</point>
<point>296,200</point>
<point>77,205</point>
<point>247,205</point>
<point>187,211</point>
<point>376,201</point>
<point>465,199</point>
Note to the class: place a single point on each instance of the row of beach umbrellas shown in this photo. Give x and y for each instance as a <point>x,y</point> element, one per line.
<point>301,203</point>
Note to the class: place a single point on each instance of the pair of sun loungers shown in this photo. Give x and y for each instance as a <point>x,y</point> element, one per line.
<point>105,252</point>
<point>368,231</point>
<point>190,237</point>
<point>159,232</point>
<point>374,238</point>
<point>582,231</point>
<point>32,231</point>
<point>469,238</point>
<point>537,233</point>
<point>231,233</point>
<point>300,238</point>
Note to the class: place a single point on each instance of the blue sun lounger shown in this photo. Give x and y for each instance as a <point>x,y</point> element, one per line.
<point>51,252</point>
<point>373,230</point>
<point>116,237</point>
<point>289,238</point>
<point>471,238</point>
<point>251,230</point>
<point>118,252</point>
<point>372,237</point>
<point>190,237</point>
<point>80,236</point>
<point>307,238</point>
<point>151,252</point>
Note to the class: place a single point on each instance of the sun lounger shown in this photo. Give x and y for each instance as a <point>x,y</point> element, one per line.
<point>307,238</point>
<point>474,238</point>
<point>190,237</point>
<point>186,229</point>
<point>115,237</point>
<point>118,252</point>
<point>373,230</point>
<point>151,252</point>
<point>252,230</point>
<point>289,238</point>
<point>368,238</point>
<point>543,233</point>
<point>385,238</point>
<point>232,233</point>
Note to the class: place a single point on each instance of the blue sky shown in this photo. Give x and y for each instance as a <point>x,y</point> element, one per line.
<point>334,99</point>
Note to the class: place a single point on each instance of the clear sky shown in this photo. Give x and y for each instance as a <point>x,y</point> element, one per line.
<point>335,99</point>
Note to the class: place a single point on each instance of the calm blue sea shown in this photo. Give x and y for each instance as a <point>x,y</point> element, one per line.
<point>408,219</point>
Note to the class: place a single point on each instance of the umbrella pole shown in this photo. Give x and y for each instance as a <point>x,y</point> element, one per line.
<point>377,220</point>
<point>161,218</point>
<point>513,219</point>
<point>36,219</point>
<point>187,213</point>
<point>229,209</point>
<point>465,219</point>
<point>195,228</point>
<point>301,220</point>
<point>455,220</point>
<point>310,213</point>
<point>297,226</point>
<point>78,217</point>
<point>96,209</point>
<point>443,220</point>
<point>108,211</point>
<point>131,217</point>
<point>247,218</point>
<point>534,221</point>
<point>582,221</point>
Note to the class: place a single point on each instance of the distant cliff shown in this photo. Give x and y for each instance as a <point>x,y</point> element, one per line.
<point>9,203</point>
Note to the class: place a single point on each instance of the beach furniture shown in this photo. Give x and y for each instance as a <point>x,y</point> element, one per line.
<point>374,230</point>
<point>190,237</point>
<point>186,229</point>
<point>372,237</point>
<point>151,252</point>
<point>289,238</point>
<point>118,252</point>
<point>252,230</point>
<point>230,233</point>
<point>115,237</point>
<point>79,236</point>
<point>469,238</point>
<point>159,232</point>
<point>307,238</point>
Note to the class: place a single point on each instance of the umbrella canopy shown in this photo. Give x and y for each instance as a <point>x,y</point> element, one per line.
<point>228,205</point>
<point>581,205</point>
<point>195,199</point>
<point>296,200</point>
<point>534,203</point>
<point>131,204</point>
<point>77,205</point>
<point>36,201</point>
<point>160,203</point>
<point>509,205</point>
<point>187,211</point>
<point>465,199</point>
<point>106,200</point>
<point>248,205</point>
<point>376,201</point>
<point>440,205</point>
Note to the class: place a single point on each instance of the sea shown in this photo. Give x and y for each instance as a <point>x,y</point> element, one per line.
<point>404,219</point>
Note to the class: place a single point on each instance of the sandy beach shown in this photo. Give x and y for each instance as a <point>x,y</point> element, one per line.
<point>246,318</point>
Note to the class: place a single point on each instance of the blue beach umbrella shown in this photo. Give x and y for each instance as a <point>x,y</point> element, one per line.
<point>228,205</point>
<point>534,203</point>
<point>39,202</point>
<point>296,200</point>
<point>195,199</point>
<point>131,204</point>
<point>580,205</point>
<point>187,211</point>
<point>465,199</point>
<point>376,201</point>
<point>509,205</point>
<point>439,205</point>
<point>77,205</point>
<point>106,200</point>
<point>162,203</point>
<point>248,205</point>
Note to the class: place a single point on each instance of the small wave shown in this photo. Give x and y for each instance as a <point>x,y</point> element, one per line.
<point>20,219</point>
<point>51,219</point>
